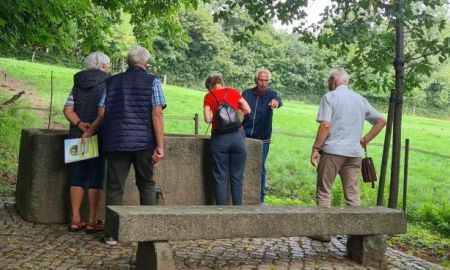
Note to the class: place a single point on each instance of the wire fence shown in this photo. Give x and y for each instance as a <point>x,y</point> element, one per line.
<point>11,105</point>
<point>195,119</point>
<point>377,144</point>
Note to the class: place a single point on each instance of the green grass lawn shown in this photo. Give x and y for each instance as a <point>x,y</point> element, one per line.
<point>291,178</point>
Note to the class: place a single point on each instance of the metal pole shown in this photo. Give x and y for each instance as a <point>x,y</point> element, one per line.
<point>405,175</point>
<point>196,123</point>
<point>51,100</point>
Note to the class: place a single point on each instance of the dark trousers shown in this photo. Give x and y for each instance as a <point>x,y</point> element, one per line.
<point>229,153</point>
<point>118,167</point>
<point>266,147</point>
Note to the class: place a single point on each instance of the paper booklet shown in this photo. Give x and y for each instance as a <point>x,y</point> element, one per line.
<point>75,150</point>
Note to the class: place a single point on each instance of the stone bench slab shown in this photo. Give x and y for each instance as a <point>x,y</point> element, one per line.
<point>160,223</point>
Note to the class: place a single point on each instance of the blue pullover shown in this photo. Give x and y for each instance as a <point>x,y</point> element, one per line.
<point>258,124</point>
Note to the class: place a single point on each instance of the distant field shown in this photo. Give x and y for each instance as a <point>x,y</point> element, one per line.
<point>291,178</point>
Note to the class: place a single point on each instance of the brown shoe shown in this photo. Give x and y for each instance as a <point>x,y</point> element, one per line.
<point>321,238</point>
<point>95,227</point>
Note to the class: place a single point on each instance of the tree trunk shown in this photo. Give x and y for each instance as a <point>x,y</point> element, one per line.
<point>387,143</point>
<point>399,85</point>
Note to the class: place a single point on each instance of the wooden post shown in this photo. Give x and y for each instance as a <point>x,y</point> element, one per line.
<point>51,100</point>
<point>196,123</point>
<point>405,175</point>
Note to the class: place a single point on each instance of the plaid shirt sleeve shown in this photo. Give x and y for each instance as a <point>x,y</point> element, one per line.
<point>158,96</point>
<point>70,101</point>
<point>101,102</point>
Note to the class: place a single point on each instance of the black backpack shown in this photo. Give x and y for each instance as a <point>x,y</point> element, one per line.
<point>226,116</point>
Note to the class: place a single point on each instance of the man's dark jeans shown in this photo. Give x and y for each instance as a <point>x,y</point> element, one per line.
<point>229,153</point>
<point>266,147</point>
<point>118,167</point>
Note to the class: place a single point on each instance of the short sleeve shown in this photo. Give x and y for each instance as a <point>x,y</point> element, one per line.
<point>70,101</point>
<point>372,115</point>
<point>101,102</point>
<point>158,96</point>
<point>325,112</point>
<point>207,100</point>
<point>236,97</point>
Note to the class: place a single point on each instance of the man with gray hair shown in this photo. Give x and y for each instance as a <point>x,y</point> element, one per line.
<point>338,147</point>
<point>258,124</point>
<point>134,130</point>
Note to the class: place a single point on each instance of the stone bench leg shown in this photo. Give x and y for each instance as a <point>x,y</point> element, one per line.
<point>367,250</point>
<point>154,256</point>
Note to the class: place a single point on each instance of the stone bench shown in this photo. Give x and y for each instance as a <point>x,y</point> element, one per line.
<point>153,226</point>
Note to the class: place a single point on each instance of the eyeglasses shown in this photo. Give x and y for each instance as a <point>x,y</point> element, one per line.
<point>262,80</point>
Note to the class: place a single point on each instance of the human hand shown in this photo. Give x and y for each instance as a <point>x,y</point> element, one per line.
<point>240,114</point>
<point>273,104</point>
<point>158,155</point>
<point>363,142</point>
<point>83,126</point>
<point>88,133</point>
<point>315,157</point>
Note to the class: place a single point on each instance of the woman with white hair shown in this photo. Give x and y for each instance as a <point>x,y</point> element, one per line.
<point>84,110</point>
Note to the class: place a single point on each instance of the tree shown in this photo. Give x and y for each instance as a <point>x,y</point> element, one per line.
<point>377,32</point>
<point>59,25</point>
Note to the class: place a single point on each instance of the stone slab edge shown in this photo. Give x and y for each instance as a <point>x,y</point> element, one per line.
<point>157,223</point>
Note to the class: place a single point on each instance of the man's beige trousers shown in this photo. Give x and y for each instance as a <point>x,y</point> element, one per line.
<point>348,169</point>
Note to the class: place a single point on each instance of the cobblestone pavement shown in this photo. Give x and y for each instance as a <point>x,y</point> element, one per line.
<point>25,245</point>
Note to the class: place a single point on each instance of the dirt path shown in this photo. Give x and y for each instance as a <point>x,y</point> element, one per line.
<point>35,102</point>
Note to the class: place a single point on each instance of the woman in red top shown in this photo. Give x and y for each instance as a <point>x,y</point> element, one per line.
<point>229,151</point>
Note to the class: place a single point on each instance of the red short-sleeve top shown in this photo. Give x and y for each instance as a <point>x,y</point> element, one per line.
<point>232,98</point>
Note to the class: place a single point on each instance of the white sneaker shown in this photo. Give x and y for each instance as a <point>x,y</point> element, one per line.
<point>110,241</point>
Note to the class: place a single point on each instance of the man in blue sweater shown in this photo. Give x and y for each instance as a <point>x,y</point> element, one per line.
<point>258,125</point>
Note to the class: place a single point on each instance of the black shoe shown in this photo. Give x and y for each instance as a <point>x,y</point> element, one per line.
<point>110,241</point>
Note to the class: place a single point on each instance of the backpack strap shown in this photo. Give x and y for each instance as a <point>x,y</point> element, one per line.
<point>224,97</point>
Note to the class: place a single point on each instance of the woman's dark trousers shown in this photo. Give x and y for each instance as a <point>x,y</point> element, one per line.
<point>229,153</point>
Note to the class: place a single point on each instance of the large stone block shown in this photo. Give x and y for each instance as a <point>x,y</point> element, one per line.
<point>42,190</point>
<point>367,250</point>
<point>158,223</point>
<point>184,177</point>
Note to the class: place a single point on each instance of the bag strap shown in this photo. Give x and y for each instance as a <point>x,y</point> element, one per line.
<point>224,97</point>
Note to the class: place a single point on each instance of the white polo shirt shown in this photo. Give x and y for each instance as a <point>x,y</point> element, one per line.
<point>346,110</point>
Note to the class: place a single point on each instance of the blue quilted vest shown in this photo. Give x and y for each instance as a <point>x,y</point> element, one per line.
<point>128,123</point>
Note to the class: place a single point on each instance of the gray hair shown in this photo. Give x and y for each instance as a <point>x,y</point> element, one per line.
<point>263,70</point>
<point>138,55</point>
<point>96,60</point>
<point>340,75</point>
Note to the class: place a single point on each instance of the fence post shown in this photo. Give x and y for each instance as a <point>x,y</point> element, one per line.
<point>51,100</point>
<point>165,79</point>
<point>405,175</point>
<point>196,123</point>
